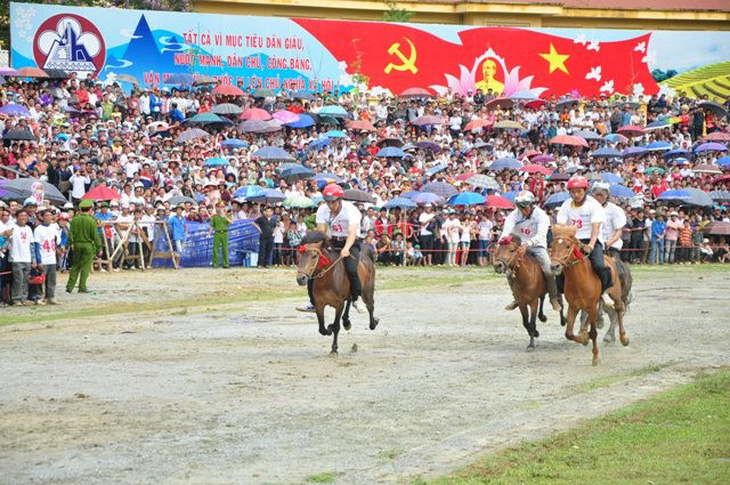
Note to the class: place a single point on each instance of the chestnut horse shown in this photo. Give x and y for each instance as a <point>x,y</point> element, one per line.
<point>527,283</point>
<point>582,287</point>
<point>322,265</point>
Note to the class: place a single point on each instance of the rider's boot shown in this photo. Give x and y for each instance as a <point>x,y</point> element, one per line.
<point>359,305</point>
<point>553,291</point>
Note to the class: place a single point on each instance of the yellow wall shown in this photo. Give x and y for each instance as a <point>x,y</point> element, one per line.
<point>477,14</point>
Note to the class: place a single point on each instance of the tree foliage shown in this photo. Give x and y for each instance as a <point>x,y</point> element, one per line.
<point>395,14</point>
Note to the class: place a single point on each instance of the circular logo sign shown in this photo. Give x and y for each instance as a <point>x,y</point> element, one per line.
<point>71,43</point>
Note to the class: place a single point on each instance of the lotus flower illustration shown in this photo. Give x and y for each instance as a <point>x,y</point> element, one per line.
<point>467,79</point>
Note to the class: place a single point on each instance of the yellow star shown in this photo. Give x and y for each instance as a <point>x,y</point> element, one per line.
<point>557,61</point>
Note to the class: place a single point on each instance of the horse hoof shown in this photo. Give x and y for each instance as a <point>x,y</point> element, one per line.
<point>609,340</point>
<point>530,348</point>
<point>324,331</point>
<point>536,334</point>
<point>625,341</point>
<point>542,318</point>
<point>595,361</point>
<point>334,353</point>
<point>346,325</point>
<point>374,323</point>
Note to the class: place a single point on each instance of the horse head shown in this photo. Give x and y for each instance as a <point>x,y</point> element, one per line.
<point>508,254</point>
<point>312,256</point>
<point>564,249</point>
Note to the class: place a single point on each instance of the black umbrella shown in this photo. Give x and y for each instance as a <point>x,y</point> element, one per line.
<point>716,108</point>
<point>355,195</point>
<point>25,135</point>
<point>23,188</point>
<point>57,74</point>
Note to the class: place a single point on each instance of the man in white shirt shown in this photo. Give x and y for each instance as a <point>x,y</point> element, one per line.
<point>531,224</point>
<point>78,182</point>
<point>587,215</point>
<point>615,220</point>
<point>47,238</point>
<point>427,235</point>
<point>21,258</point>
<point>453,228</point>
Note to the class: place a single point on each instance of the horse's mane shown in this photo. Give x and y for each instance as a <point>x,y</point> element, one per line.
<point>562,230</point>
<point>516,239</point>
<point>313,237</point>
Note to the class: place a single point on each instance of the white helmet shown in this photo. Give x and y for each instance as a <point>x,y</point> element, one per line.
<point>525,199</point>
<point>598,186</point>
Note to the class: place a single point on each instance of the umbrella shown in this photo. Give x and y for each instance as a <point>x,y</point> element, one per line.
<point>510,196</point>
<point>606,152</point>
<point>566,103</point>
<point>327,177</point>
<point>477,124</point>
<point>320,142</point>
<point>428,146</point>
<point>415,93</point>
<point>227,90</point>
<point>436,169</point>
<point>234,143</point>
<point>158,126</point>
<point>698,197</point>
<point>634,152</point>
<point>425,198</point>
<point>191,134</point>
<point>570,140</point>
<point>498,202</point>
<point>535,103</point>
<point>205,80</point>
<point>612,178</point>
<point>249,191</point>
<point>717,228</point>
<point>717,136</point>
<point>264,93</point>
<point>361,125</point>
<point>57,74</point>
<point>678,161</point>
<point>299,172</point>
<point>674,195</point>
<point>721,179</point>
<point>284,117</point>
<point>536,169</point>
<point>631,130</point>
<point>298,202</point>
<point>301,95</point>
<point>8,72</point>
<point>659,146</point>
<point>557,199</point>
<point>621,191</point>
<point>32,72</point>
<point>616,138</point>
<point>13,109</point>
<point>355,195</point>
<point>335,134</point>
<point>720,195</point>
<point>711,147</point>
<point>724,161</point>
<point>707,168</point>
<point>658,125</point>
<point>259,126</point>
<point>467,198</point>
<point>658,170</point>
<point>524,96</point>
<point>269,196</point>
<point>542,159</point>
<point>180,78</point>
<point>481,144</point>
<point>400,202</point>
<point>677,152</point>
<point>23,188</point>
<point>273,153</point>
<point>305,121</point>
<point>427,120</point>
<point>390,142</point>
<point>20,135</point>
<point>100,192</point>
<point>181,199</point>
<point>504,103</point>
<point>716,108</point>
<point>390,152</point>
<point>442,189</point>
<point>283,166</point>
<point>206,119</point>
<point>560,177</point>
<point>226,109</point>
<point>465,176</point>
<point>216,162</point>
<point>126,78</point>
<point>255,114</point>
<point>483,181</point>
<point>507,163</point>
<point>328,120</point>
<point>588,135</point>
<point>334,111</point>
<point>508,125</point>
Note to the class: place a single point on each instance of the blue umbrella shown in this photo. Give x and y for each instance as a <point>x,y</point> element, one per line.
<point>216,162</point>
<point>606,152</point>
<point>724,161</point>
<point>658,124</point>
<point>510,196</point>
<point>334,111</point>
<point>677,152</point>
<point>557,199</point>
<point>436,169</point>
<point>249,191</point>
<point>424,197</point>
<point>270,196</point>
<point>612,178</point>
<point>467,198</point>
<point>674,195</point>
<point>400,202</point>
<point>329,177</point>
<point>390,152</point>
<point>659,146</point>
<point>720,195</point>
<point>180,78</point>
<point>301,95</point>
<point>299,172</point>
<point>272,153</point>
<point>206,118</point>
<point>506,163</point>
<point>305,121</point>
<point>698,197</point>
<point>678,161</point>
<point>234,143</point>
<point>613,138</point>
<point>634,152</point>
<point>711,147</point>
<point>336,134</point>
<point>13,109</point>
<point>320,142</point>
<point>621,191</point>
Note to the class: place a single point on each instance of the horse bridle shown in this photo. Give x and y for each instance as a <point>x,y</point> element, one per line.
<point>508,263</point>
<point>565,260</point>
<point>310,274</point>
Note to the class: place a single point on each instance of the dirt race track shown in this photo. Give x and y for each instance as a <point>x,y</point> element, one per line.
<point>245,392</point>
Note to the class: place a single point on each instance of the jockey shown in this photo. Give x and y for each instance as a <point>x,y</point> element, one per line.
<point>343,219</point>
<point>615,218</point>
<point>587,215</point>
<point>531,223</point>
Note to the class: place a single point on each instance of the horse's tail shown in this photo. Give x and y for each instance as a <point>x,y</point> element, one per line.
<point>624,273</point>
<point>366,252</point>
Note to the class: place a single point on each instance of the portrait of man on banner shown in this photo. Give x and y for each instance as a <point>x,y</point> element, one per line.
<point>489,80</point>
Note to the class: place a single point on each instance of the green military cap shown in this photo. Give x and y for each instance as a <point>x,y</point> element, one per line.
<point>86,203</point>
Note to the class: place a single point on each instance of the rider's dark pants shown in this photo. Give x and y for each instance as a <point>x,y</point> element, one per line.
<point>596,258</point>
<point>351,265</point>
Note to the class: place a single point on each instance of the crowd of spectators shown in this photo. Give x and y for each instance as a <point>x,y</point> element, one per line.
<point>182,154</point>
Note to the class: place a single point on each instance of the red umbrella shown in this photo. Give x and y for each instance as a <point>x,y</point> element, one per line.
<point>535,103</point>
<point>717,136</point>
<point>32,72</point>
<point>416,93</point>
<point>631,130</point>
<point>571,140</point>
<point>720,180</point>
<point>255,114</point>
<point>536,169</point>
<point>498,202</point>
<point>542,159</point>
<point>477,124</point>
<point>717,228</point>
<point>361,125</point>
<point>227,90</point>
<point>101,192</point>
<point>532,153</point>
<point>465,176</point>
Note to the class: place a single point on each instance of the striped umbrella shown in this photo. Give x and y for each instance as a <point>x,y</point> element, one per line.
<point>441,189</point>
<point>191,135</point>
<point>484,181</point>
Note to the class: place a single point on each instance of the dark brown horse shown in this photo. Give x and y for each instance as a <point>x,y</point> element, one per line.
<point>526,281</point>
<point>582,287</point>
<point>322,265</point>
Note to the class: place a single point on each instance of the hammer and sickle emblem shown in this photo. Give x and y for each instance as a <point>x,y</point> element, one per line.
<point>407,63</point>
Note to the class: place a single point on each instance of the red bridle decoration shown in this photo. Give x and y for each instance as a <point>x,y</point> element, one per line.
<point>577,253</point>
<point>505,241</point>
<point>323,259</point>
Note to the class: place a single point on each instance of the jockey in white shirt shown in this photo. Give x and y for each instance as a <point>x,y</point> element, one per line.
<point>615,220</point>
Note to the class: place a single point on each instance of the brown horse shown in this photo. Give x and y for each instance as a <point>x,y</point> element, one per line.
<point>526,281</point>
<point>583,287</point>
<point>322,265</point>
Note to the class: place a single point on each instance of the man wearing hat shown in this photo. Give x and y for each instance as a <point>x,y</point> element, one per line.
<point>84,239</point>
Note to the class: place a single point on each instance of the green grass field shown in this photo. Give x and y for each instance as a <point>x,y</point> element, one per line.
<point>679,436</point>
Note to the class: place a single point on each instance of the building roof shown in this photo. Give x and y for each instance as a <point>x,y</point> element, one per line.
<point>687,5</point>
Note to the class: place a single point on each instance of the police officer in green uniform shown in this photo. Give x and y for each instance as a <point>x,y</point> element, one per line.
<point>85,241</point>
<point>219,227</point>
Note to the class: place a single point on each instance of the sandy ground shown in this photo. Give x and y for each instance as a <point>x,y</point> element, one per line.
<point>247,393</point>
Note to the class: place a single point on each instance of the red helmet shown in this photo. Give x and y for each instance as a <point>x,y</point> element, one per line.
<point>578,182</point>
<point>333,192</point>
